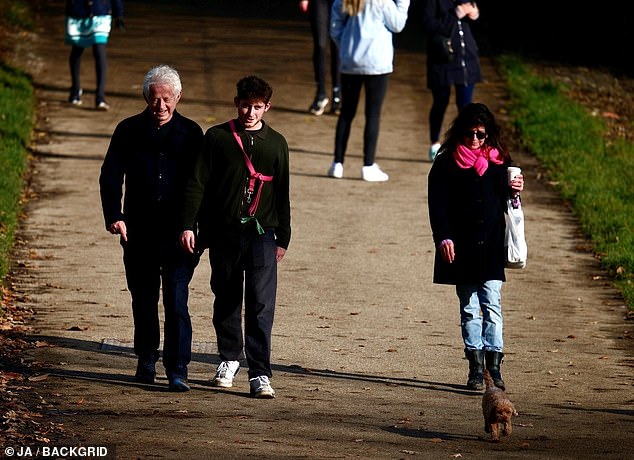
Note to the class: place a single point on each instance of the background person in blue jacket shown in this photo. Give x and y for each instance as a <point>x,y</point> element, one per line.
<point>88,24</point>
<point>363,32</point>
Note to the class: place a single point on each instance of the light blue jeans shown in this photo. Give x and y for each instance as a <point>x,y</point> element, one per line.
<point>481,315</point>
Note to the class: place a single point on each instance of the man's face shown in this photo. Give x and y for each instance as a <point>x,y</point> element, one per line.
<point>250,112</point>
<point>162,102</point>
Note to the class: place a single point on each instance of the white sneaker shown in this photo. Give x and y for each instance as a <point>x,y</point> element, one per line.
<point>261,387</point>
<point>336,170</point>
<point>318,106</point>
<point>433,151</point>
<point>102,106</point>
<point>225,372</point>
<point>373,174</point>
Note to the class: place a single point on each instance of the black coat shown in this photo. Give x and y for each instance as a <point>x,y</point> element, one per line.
<point>469,210</point>
<point>88,8</point>
<point>439,17</point>
<point>153,165</point>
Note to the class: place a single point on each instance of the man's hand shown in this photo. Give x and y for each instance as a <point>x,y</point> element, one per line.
<point>188,241</point>
<point>279,254</point>
<point>119,228</point>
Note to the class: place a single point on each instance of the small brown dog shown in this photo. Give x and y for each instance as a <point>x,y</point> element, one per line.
<point>497,409</point>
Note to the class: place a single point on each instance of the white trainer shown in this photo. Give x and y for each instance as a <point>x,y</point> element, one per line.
<point>373,174</point>
<point>433,151</point>
<point>225,372</point>
<point>261,387</point>
<point>336,170</point>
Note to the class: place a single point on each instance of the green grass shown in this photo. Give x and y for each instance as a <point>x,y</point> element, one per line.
<point>16,125</point>
<point>596,176</point>
<point>15,13</point>
<point>17,120</point>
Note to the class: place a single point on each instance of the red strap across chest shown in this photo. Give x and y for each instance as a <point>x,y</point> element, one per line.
<point>253,174</point>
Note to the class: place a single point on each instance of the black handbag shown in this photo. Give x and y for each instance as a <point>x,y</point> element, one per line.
<point>441,48</point>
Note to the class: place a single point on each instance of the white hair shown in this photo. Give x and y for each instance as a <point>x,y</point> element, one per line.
<point>162,74</point>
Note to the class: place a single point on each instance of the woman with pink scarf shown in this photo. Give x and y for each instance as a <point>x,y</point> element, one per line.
<point>467,193</point>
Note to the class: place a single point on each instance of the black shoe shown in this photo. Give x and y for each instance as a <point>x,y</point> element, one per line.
<point>145,370</point>
<point>319,105</point>
<point>494,360</point>
<point>335,108</point>
<point>75,98</point>
<point>178,384</point>
<point>475,381</point>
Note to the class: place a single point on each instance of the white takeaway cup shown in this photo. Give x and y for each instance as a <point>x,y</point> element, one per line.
<point>513,171</point>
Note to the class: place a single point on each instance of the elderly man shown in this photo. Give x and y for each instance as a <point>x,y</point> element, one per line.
<point>152,153</point>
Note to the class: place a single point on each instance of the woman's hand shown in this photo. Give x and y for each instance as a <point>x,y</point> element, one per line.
<point>447,251</point>
<point>517,184</point>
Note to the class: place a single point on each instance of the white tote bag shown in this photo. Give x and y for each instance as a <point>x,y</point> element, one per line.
<point>514,239</point>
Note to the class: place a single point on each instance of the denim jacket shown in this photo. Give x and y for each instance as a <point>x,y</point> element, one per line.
<point>365,40</point>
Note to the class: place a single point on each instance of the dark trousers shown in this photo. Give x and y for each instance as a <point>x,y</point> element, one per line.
<point>375,89</point>
<point>147,267</point>
<point>244,266</point>
<point>319,14</point>
<point>441,94</point>
<point>101,67</point>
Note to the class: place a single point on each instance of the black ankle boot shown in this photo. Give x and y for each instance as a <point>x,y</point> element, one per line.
<point>146,368</point>
<point>493,361</point>
<point>476,368</point>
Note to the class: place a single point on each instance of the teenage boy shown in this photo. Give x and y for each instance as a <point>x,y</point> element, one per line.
<point>238,199</point>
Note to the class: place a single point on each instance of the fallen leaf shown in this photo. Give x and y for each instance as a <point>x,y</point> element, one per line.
<point>10,375</point>
<point>38,378</point>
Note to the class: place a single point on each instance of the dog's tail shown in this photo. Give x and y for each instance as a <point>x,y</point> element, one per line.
<point>488,380</point>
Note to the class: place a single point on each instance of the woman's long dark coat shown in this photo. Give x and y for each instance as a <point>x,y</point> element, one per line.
<point>468,209</point>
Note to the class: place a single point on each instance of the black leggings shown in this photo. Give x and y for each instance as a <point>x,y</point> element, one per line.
<point>464,95</point>
<point>101,67</point>
<point>375,89</point>
<point>319,13</point>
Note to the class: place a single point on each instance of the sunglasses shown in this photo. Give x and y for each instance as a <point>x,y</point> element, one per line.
<point>479,134</point>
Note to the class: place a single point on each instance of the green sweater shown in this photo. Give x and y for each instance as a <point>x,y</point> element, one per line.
<point>215,191</point>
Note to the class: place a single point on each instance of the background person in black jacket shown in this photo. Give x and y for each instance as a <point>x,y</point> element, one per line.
<point>152,153</point>
<point>467,193</point>
<point>450,18</point>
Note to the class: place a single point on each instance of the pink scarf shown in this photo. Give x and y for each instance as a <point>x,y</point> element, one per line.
<point>476,159</point>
